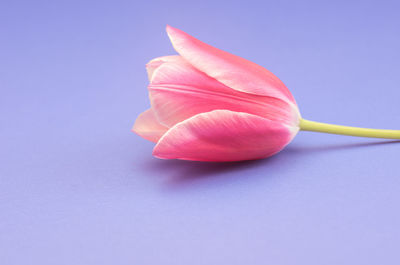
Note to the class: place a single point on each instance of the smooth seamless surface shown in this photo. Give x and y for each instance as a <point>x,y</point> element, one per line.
<point>77,187</point>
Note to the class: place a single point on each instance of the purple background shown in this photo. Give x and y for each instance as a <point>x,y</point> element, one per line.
<point>77,187</point>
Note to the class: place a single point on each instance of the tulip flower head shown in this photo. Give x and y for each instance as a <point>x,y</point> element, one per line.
<point>210,105</point>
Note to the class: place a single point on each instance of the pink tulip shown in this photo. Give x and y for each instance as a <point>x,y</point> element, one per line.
<point>210,105</point>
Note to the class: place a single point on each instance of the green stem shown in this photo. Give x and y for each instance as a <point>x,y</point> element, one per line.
<point>306,125</point>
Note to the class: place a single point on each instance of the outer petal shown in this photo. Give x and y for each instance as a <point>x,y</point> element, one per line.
<point>223,135</point>
<point>155,63</point>
<point>179,91</point>
<point>229,69</point>
<point>147,126</point>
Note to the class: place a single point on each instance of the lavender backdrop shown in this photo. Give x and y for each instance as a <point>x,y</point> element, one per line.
<point>77,187</point>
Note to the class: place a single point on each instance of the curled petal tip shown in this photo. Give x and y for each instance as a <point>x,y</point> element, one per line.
<point>231,70</point>
<point>170,30</point>
<point>148,127</point>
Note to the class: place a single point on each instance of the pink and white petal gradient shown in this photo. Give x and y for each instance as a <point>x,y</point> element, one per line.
<point>147,126</point>
<point>210,105</point>
<point>231,70</point>
<point>224,135</point>
<point>178,91</point>
<point>155,63</point>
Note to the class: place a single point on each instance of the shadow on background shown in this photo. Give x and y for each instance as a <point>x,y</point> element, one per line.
<point>176,173</point>
<point>337,147</point>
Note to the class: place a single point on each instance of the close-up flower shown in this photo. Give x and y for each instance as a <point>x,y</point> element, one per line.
<point>210,105</point>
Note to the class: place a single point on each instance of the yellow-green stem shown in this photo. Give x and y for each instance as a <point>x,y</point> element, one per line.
<point>306,125</point>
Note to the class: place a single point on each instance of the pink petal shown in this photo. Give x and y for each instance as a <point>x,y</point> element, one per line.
<point>147,126</point>
<point>223,135</point>
<point>179,91</point>
<point>231,70</point>
<point>155,63</point>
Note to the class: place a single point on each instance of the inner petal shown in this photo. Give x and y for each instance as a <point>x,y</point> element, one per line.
<point>179,91</point>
